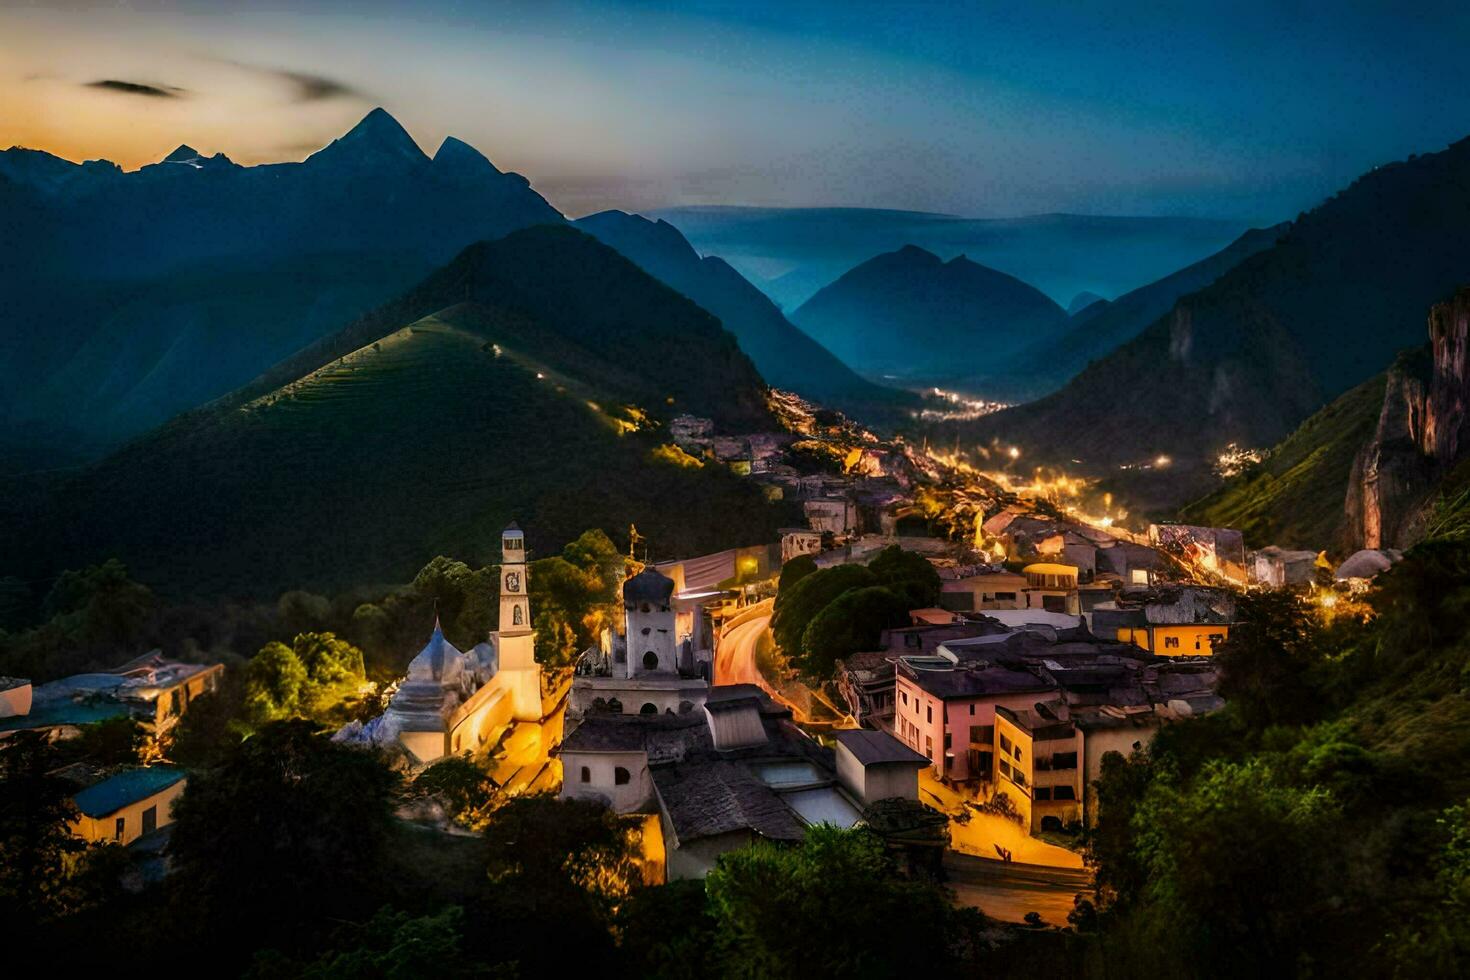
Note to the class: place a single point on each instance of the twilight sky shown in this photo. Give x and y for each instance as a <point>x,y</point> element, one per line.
<point>1252,112</point>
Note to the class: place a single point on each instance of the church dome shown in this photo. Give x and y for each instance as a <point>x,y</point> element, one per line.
<point>649,585</point>
<point>439,661</point>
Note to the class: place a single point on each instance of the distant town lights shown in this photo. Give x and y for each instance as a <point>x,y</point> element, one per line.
<point>1162,461</point>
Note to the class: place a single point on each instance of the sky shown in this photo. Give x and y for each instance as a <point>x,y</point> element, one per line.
<point>1252,111</point>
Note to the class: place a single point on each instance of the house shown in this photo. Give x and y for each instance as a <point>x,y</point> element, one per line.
<point>736,771</point>
<point>865,683</point>
<point>152,689</point>
<point>1133,564</point>
<point>1172,622</point>
<point>1051,586</point>
<point>984,590</point>
<point>1279,568</point>
<point>832,515</point>
<point>129,805</point>
<point>798,541</point>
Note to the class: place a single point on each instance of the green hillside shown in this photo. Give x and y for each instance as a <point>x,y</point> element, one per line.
<point>1294,498</point>
<point>518,402</point>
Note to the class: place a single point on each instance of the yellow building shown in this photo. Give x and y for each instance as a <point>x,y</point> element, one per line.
<point>1184,621</point>
<point>129,805</point>
<point>1038,765</point>
<point>1051,586</point>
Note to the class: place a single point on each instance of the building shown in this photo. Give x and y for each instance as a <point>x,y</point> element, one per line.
<point>649,668</point>
<point>1279,568</point>
<point>798,541</point>
<point>151,689</point>
<point>1181,621</point>
<point>831,515</point>
<point>129,805</point>
<point>734,772</point>
<point>452,701</point>
<point>947,702</point>
<point>1052,586</point>
<point>984,590</point>
<point>1216,550</point>
<point>865,682</point>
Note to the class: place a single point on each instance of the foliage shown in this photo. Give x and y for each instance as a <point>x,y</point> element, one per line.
<point>1269,661</point>
<point>111,742</point>
<point>213,723</point>
<point>94,616</point>
<point>36,845</point>
<point>668,932</point>
<point>392,945</point>
<point>809,596</point>
<point>574,596</point>
<point>309,679</point>
<point>463,787</point>
<point>792,572</point>
<point>850,623</point>
<point>830,906</point>
<point>289,826</point>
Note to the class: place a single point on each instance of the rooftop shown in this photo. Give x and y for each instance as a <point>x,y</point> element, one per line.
<point>874,748</point>
<point>116,792</point>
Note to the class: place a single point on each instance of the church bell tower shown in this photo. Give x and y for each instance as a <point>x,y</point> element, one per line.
<point>515,642</point>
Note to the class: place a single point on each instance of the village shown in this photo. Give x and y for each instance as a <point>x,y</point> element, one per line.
<point>969,737</point>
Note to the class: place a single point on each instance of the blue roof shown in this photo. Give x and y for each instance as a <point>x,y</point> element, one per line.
<point>64,712</point>
<point>114,793</point>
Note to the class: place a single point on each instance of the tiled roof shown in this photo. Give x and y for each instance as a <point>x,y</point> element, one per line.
<point>714,797</point>
<point>872,748</point>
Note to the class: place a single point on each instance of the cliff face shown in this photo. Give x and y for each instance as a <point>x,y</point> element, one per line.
<point>1421,434</point>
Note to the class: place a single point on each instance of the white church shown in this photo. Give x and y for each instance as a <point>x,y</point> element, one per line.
<point>453,701</point>
<point>649,669</point>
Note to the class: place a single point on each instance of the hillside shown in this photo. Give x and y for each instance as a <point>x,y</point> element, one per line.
<point>912,316</point>
<point>1248,358</point>
<point>1098,329</point>
<point>785,357</point>
<point>1294,498</point>
<point>493,390</point>
<point>141,294</point>
<point>791,253</point>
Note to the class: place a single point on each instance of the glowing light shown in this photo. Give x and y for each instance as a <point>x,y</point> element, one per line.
<point>1162,461</point>
<point>1013,453</point>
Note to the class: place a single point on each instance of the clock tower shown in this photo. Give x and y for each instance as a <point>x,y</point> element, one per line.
<point>515,642</point>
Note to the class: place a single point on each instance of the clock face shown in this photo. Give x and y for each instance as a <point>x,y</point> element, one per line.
<point>513,582</point>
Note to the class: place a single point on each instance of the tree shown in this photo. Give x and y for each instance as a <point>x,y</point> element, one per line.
<point>111,742</point>
<point>668,932</point>
<point>461,786</point>
<point>1438,943</point>
<point>392,945</point>
<point>290,827</point>
<point>1240,866</point>
<point>830,906</point>
<point>213,724</point>
<point>274,679</point>
<point>850,623</point>
<point>907,573</point>
<point>1269,662</point>
<point>312,678</point>
<point>792,572</point>
<point>809,596</point>
<point>37,847</point>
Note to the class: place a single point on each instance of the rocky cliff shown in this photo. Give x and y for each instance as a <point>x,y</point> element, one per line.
<point>1421,434</point>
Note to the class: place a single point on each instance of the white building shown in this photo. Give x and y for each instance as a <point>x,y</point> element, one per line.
<point>452,702</point>
<point>649,669</point>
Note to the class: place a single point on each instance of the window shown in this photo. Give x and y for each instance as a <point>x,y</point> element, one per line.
<point>150,820</point>
<point>1064,760</point>
<point>621,776</point>
<point>173,701</point>
<point>972,709</point>
<point>1043,793</point>
<point>1005,597</point>
<point>643,608</point>
<point>1005,745</point>
<point>1171,643</point>
<point>930,710</point>
<point>1017,753</point>
<point>946,740</point>
<point>982,734</point>
<point>1216,639</point>
<point>905,696</point>
<point>119,827</point>
<point>647,630</point>
<point>912,640</point>
<point>649,708</point>
<point>650,661</point>
<point>1063,793</point>
<point>1005,769</point>
<point>586,774</point>
<point>929,747</point>
<point>1020,777</point>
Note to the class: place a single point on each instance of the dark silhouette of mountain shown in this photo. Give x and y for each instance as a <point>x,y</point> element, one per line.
<point>1083,301</point>
<point>791,253</point>
<point>785,356</point>
<point>148,292</point>
<point>1248,358</point>
<point>496,388</point>
<point>1099,329</point>
<point>909,314</point>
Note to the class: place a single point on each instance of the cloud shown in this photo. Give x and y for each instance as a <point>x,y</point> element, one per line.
<point>316,88</point>
<point>137,88</point>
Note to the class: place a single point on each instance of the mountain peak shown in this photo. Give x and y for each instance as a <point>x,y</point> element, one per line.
<point>457,156</point>
<point>183,154</point>
<point>377,140</point>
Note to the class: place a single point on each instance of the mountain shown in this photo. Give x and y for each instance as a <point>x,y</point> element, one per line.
<point>909,314</point>
<point>785,356</point>
<point>143,294</point>
<point>1248,358</point>
<point>517,381</point>
<point>1380,467</point>
<point>1083,301</point>
<point>790,253</point>
<point>1100,328</point>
